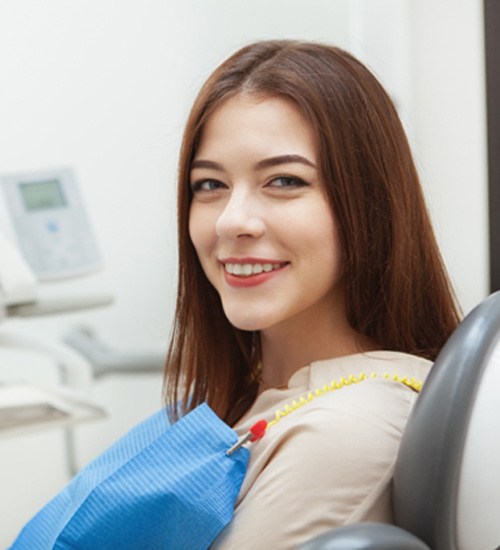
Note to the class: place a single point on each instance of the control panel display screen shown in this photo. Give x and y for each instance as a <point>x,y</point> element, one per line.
<point>41,195</point>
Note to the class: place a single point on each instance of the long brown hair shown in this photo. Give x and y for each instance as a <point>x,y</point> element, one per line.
<point>397,290</point>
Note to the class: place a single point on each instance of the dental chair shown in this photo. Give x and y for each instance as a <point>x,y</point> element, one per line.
<point>446,493</point>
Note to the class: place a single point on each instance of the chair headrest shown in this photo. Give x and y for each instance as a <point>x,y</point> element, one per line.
<point>429,466</point>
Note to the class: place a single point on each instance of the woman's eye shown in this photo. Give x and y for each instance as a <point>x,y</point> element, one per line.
<point>284,182</point>
<point>206,185</point>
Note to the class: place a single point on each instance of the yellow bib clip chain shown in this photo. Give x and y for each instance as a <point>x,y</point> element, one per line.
<point>337,385</point>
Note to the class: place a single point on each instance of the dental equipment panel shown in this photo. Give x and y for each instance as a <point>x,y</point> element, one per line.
<point>51,224</point>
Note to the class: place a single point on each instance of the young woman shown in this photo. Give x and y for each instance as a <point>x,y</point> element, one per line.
<point>306,256</point>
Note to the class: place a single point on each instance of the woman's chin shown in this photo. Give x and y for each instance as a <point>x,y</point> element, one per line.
<point>246,322</point>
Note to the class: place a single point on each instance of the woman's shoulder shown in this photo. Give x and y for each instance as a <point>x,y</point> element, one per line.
<point>364,390</point>
<point>361,381</point>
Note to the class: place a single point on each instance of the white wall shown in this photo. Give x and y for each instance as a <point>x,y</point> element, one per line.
<point>105,85</point>
<point>450,128</point>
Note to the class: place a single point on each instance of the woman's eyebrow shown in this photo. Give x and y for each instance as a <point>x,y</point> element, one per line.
<point>264,163</point>
<point>283,159</point>
<point>202,163</point>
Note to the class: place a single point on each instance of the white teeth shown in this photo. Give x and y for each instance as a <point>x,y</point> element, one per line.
<point>245,270</point>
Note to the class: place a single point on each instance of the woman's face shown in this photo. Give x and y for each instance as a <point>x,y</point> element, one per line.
<point>260,223</point>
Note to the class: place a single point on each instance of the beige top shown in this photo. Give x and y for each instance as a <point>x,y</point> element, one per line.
<point>329,462</point>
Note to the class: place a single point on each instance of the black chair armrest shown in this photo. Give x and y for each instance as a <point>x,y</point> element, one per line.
<point>366,536</point>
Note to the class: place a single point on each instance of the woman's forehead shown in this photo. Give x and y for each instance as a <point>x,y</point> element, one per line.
<point>273,125</point>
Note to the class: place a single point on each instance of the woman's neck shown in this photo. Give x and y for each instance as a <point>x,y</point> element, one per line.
<point>286,349</point>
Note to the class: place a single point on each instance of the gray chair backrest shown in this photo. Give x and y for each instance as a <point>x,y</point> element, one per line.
<point>427,476</point>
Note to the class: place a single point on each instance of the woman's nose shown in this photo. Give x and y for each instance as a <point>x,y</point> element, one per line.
<point>242,216</point>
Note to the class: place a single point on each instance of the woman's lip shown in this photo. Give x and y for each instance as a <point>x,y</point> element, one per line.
<point>256,279</point>
<point>250,260</point>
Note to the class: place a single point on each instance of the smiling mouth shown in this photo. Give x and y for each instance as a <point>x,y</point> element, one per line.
<point>249,269</point>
